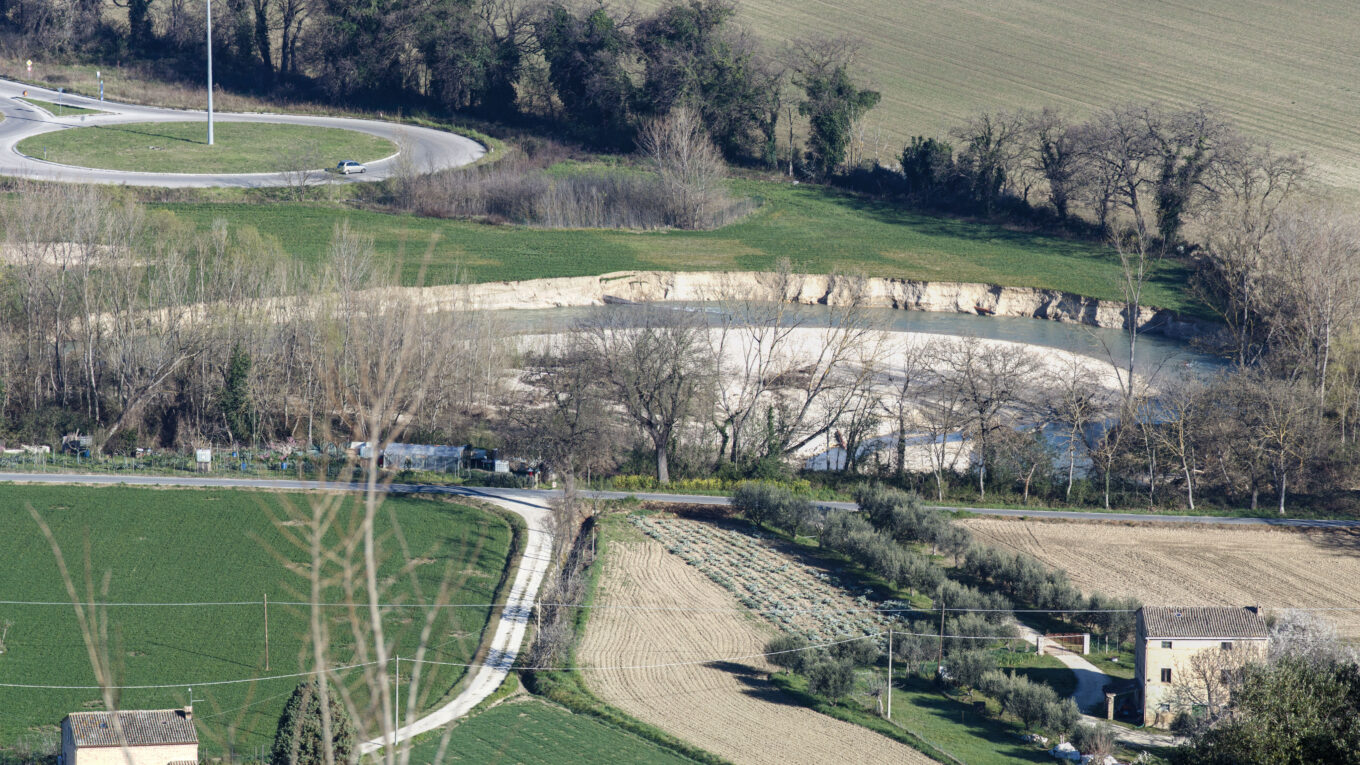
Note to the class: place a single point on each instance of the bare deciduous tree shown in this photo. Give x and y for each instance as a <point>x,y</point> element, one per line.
<point>994,381</point>
<point>691,169</point>
<point>1054,151</point>
<point>658,366</point>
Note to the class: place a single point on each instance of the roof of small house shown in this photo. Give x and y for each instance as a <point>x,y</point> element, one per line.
<point>1202,622</point>
<point>139,728</point>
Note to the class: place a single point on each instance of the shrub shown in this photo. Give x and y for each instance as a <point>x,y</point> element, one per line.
<point>1095,740</point>
<point>526,191</point>
<point>1033,704</point>
<point>760,503</point>
<point>914,649</point>
<point>832,678</point>
<point>967,668</point>
<point>787,651</point>
<point>1061,716</point>
<point>861,653</point>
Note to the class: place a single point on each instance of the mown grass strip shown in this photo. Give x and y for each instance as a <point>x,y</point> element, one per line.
<point>181,147</point>
<point>820,230</point>
<point>61,110</point>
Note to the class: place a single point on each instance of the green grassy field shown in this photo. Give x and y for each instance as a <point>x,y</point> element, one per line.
<point>175,546</point>
<point>1286,71</point>
<point>958,728</point>
<point>60,110</point>
<point>536,732</point>
<point>817,229</point>
<point>181,147</point>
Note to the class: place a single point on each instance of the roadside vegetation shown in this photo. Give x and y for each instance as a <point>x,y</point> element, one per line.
<point>60,110</point>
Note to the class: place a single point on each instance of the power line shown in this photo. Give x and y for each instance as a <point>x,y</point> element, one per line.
<point>691,609</point>
<point>310,673</point>
<point>497,665</point>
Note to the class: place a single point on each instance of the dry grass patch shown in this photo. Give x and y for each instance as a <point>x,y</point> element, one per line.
<point>1196,565</point>
<point>727,708</point>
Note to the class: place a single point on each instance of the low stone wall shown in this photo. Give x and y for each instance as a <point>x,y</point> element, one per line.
<point>811,289</point>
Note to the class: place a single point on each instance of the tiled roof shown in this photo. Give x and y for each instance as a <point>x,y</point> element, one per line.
<point>140,728</point>
<point>1202,622</point>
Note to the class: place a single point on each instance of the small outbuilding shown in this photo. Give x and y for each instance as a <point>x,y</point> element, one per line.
<point>1178,644</point>
<point>143,737</point>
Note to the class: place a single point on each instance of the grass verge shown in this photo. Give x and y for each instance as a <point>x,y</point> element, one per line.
<point>181,147</point>
<point>61,110</point>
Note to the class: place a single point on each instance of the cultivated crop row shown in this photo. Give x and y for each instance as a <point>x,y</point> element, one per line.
<point>795,597</point>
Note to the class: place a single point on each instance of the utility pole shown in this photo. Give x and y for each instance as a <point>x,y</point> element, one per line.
<point>890,675</point>
<point>266,632</point>
<point>939,660</point>
<point>210,125</point>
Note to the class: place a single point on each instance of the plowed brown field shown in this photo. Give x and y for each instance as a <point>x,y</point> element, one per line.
<point>729,709</point>
<point>1197,566</point>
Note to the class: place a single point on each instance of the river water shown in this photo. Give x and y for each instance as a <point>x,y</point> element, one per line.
<point>1154,351</point>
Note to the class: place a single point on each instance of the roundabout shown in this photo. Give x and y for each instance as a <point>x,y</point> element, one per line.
<point>134,145</point>
<point>179,147</point>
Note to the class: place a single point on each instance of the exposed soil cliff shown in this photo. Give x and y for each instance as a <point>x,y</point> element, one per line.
<point>956,297</point>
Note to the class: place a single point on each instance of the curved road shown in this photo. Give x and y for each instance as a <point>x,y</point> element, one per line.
<point>427,150</point>
<point>509,632</point>
<point>532,505</point>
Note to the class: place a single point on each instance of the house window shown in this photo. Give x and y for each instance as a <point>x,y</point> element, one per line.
<point>1166,674</point>
<point>1163,707</point>
<point>1226,645</point>
<point>1166,643</point>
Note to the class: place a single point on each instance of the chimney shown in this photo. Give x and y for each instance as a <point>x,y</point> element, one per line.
<point>188,711</point>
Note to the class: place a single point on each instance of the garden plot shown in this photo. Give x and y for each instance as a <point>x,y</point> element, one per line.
<point>795,597</point>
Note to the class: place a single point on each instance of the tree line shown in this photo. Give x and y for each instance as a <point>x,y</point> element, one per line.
<point>594,72</point>
<point>144,332</point>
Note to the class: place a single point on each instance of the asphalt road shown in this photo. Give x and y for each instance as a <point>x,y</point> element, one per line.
<point>537,497</point>
<point>427,150</point>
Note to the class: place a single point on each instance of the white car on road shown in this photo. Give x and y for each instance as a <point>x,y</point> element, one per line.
<point>350,166</point>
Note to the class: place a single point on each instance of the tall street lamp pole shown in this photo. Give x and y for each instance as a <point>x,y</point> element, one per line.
<point>210,125</point>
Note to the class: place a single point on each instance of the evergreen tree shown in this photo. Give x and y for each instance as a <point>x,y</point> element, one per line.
<point>300,739</point>
<point>832,103</point>
<point>237,411</point>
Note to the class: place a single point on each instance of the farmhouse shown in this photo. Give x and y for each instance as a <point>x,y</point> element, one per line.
<point>148,737</point>
<point>1182,653</point>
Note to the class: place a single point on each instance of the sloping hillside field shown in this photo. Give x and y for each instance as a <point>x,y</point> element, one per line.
<point>1287,71</point>
<point>222,547</point>
<point>1196,565</point>
<point>728,708</point>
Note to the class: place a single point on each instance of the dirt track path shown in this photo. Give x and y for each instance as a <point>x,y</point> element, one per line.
<point>729,709</point>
